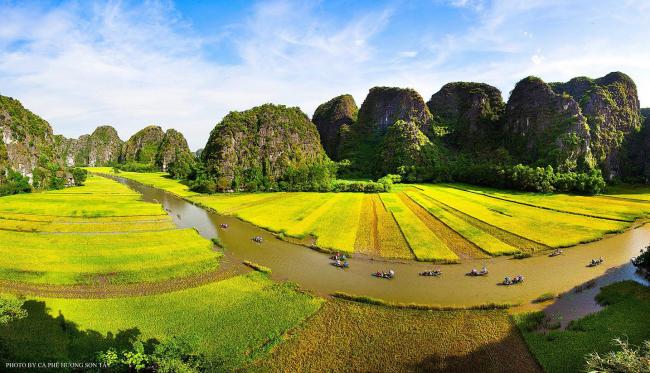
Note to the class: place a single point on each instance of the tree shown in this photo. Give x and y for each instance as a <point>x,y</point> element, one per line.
<point>643,260</point>
<point>15,183</point>
<point>79,175</point>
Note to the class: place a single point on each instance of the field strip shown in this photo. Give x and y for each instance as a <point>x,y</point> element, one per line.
<point>306,224</point>
<point>457,243</point>
<point>392,243</point>
<point>225,271</point>
<point>367,240</point>
<point>522,243</point>
<point>537,206</point>
<point>425,244</point>
<point>484,241</point>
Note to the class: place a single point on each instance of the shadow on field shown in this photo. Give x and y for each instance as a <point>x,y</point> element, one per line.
<point>507,355</point>
<point>40,337</point>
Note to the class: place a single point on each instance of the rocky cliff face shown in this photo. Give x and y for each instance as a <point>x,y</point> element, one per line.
<point>143,145</point>
<point>611,107</point>
<point>333,120</point>
<point>262,143</point>
<point>100,148</point>
<point>468,112</point>
<point>543,127</point>
<point>636,154</point>
<point>172,147</point>
<point>382,108</point>
<point>27,143</point>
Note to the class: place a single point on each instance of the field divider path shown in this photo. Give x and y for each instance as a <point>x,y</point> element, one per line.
<point>457,243</point>
<point>536,206</point>
<point>512,239</point>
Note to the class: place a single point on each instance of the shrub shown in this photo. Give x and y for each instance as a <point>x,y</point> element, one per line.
<point>643,260</point>
<point>14,183</point>
<point>79,175</point>
<point>138,167</point>
<point>627,359</point>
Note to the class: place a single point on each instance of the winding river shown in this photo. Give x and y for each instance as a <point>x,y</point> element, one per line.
<point>312,270</point>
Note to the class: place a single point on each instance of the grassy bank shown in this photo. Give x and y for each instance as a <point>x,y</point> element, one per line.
<point>625,316</point>
<point>232,322</point>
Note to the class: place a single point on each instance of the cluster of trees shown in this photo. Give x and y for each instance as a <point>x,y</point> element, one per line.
<point>13,182</point>
<point>170,356</point>
<point>527,178</point>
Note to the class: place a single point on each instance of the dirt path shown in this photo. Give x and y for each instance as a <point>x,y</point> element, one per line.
<point>457,243</point>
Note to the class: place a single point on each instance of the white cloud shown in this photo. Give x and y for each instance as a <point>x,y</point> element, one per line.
<point>129,66</point>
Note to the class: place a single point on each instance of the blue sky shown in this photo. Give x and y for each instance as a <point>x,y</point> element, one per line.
<point>186,64</point>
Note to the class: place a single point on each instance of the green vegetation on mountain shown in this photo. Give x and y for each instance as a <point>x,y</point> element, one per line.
<point>269,147</point>
<point>611,106</point>
<point>334,120</point>
<point>468,113</point>
<point>28,147</point>
<point>143,145</point>
<point>101,148</point>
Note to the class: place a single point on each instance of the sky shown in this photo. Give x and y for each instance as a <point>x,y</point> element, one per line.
<point>186,64</point>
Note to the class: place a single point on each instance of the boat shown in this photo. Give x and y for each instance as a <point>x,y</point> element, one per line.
<point>556,253</point>
<point>474,272</point>
<point>513,281</point>
<point>433,272</point>
<point>387,275</point>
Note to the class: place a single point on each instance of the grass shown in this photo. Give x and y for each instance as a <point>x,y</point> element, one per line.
<point>558,229</point>
<point>632,192</point>
<point>350,337</point>
<point>480,238</point>
<point>98,233</point>
<point>626,316</point>
<point>424,243</point>
<point>234,321</point>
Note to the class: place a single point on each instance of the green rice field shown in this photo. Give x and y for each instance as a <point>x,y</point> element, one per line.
<point>439,223</point>
<point>98,233</point>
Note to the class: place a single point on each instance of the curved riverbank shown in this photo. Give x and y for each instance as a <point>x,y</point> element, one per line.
<point>312,269</point>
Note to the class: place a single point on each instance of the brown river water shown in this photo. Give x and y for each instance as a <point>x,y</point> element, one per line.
<point>312,270</point>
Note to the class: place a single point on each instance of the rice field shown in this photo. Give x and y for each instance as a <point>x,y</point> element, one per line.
<point>354,337</point>
<point>551,228</point>
<point>232,322</point>
<point>607,208</point>
<point>440,223</point>
<point>426,245</point>
<point>159,180</point>
<point>100,233</point>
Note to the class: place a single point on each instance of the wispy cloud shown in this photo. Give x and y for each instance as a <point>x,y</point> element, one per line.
<point>82,64</point>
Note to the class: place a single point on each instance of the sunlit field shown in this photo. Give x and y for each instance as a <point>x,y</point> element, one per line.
<point>98,233</point>
<point>439,223</point>
<point>232,322</point>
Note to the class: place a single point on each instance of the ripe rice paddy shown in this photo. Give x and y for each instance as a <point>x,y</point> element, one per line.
<point>353,337</point>
<point>101,233</point>
<point>440,223</point>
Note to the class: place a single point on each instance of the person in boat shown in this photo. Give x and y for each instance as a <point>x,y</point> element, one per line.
<point>391,273</point>
<point>507,280</point>
<point>473,271</point>
<point>346,265</point>
<point>484,269</point>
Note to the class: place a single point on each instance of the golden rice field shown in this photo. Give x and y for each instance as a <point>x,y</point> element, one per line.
<point>79,236</point>
<point>440,223</point>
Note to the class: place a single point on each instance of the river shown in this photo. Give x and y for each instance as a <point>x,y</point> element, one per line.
<point>312,270</point>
